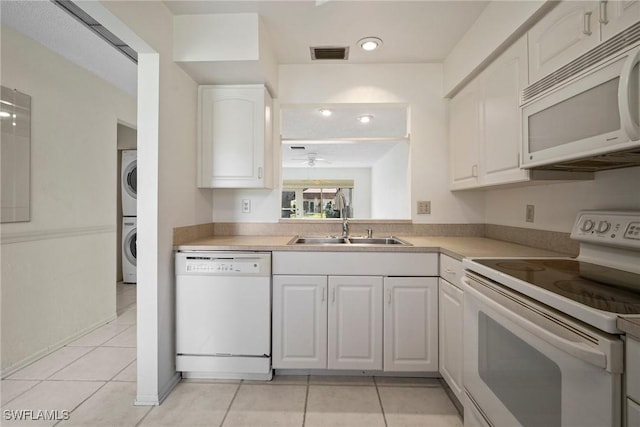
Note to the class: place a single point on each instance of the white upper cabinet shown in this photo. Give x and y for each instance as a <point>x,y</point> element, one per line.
<point>574,27</point>
<point>234,137</point>
<point>568,31</point>
<point>410,324</point>
<point>464,133</point>
<point>502,83</point>
<point>616,16</point>
<point>485,123</point>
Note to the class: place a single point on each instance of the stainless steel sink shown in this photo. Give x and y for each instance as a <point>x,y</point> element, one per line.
<point>378,241</point>
<point>333,240</point>
<point>318,241</point>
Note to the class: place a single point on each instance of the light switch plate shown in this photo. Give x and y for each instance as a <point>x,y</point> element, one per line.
<point>424,207</point>
<point>530,213</point>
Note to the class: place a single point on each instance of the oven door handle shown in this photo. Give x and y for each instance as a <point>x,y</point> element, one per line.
<point>580,350</point>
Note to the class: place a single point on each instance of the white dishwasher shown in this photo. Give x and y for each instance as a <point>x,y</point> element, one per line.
<point>223,314</point>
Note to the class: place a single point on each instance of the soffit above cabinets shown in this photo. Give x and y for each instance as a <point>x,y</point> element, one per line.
<point>413,31</point>
<point>243,42</point>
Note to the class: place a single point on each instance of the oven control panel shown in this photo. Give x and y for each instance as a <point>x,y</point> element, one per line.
<point>615,228</point>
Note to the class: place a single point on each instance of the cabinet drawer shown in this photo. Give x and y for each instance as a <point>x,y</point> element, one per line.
<point>451,270</point>
<point>633,369</point>
<point>356,263</point>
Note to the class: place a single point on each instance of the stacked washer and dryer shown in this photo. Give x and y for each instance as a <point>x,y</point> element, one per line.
<point>129,180</point>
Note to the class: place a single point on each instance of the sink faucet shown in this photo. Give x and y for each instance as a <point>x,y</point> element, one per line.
<point>341,204</point>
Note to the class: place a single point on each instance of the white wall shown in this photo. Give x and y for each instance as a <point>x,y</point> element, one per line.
<point>362,193</point>
<point>496,25</point>
<point>59,269</point>
<point>167,183</point>
<point>556,205</point>
<point>419,86</point>
<point>390,183</point>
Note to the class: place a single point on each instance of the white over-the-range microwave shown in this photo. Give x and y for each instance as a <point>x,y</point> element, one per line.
<point>590,121</point>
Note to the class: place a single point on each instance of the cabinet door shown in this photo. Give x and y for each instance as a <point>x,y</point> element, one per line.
<point>411,324</point>
<point>451,323</point>
<point>502,83</point>
<point>234,129</point>
<point>633,413</point>
<point>617,15</point>
<point>632,374</point>
<point>299,322</point>
<point>464,131</point>
<point>355,322</point>
<point>568,31</point>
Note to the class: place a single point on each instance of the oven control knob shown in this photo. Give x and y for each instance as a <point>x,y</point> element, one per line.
<point>603,226</point>
<point>587,225</point>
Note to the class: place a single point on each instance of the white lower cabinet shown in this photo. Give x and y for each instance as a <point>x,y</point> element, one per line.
<point>411,324</point>
<point>632,380</point>
<point>322,322</point>
<point>633,414</point>
<point>450,325</point>
<point>299,322</point>
<point>329,312</point>
<point>355,323</point>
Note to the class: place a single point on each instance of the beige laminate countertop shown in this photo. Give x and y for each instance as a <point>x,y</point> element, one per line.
<point>456,247</point>
<point>629,325</point>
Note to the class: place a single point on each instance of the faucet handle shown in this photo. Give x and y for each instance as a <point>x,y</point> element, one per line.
<point>369,233</point>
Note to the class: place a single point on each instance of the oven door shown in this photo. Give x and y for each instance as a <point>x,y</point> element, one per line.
<point>525,364</point>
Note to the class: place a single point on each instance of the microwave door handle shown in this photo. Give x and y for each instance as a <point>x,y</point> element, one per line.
<point>580,350</point>
<point>625,98</point>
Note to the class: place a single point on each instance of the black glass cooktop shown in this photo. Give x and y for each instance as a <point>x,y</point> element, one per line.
<point>596,286</point>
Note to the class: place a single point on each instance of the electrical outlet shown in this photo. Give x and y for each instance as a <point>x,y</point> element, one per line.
<point>530,213</point>
<point>246,206</point>
<point>424,207</point>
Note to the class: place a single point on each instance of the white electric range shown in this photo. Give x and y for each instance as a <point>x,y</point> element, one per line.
<point>541,343</point>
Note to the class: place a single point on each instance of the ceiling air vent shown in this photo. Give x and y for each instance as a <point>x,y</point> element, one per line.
<point>329,53</point>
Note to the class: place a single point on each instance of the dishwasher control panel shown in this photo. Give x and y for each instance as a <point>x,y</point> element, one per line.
<point>223,263</point>
<point>222,266</point>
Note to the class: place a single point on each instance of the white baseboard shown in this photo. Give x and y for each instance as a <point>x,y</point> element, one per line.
<point>155,400</point>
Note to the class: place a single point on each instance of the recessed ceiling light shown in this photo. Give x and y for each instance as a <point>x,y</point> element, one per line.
<point>325,112</point>
<point>365,118</point>
<point>369,43</point>
<point>4,114</point>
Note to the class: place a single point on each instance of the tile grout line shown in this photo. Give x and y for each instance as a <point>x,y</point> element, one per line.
<point>306,401</point>
<point>384,416</point>
<point>64,367</point>
<point>145,415</point>
<point>230,403</point>
<point>85,399</point>
<point>121,370</point>
<point>23,392</point>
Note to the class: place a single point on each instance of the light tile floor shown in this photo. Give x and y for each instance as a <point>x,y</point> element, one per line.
<point>94,377</point>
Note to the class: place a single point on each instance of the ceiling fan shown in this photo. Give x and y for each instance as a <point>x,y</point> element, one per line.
<point>312,159</point>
